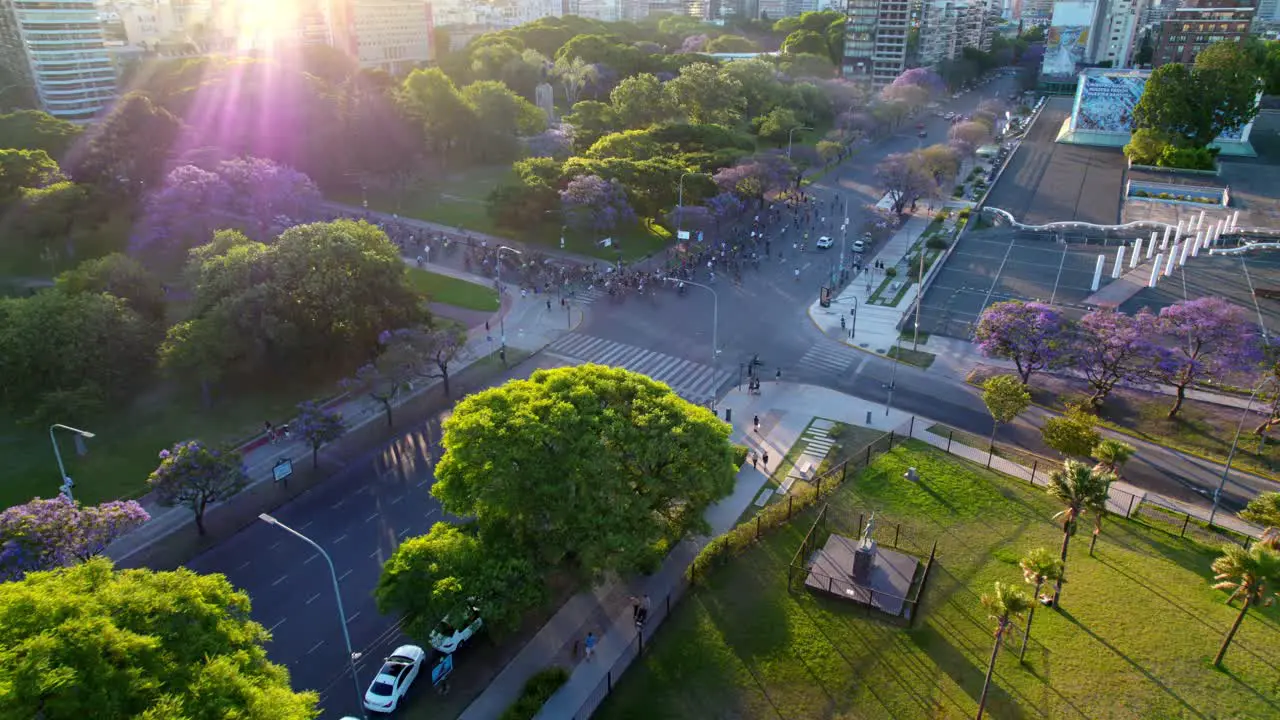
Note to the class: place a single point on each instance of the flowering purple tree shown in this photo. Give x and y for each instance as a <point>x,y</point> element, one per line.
<point>753,179</point>
<point>1031,334</point>
<point>924,78</point>
<point>269,193</point>
<point>882,218</point>
<point>592,203</point>
<point>195,475</point>
<point>318,426</point>
<point>725,206</point>
<point>556,142</point>
<point>184,211</point>
<point>57,532</point>
<point>1202,339</point>
<point>906,179</point>
<point>856,122</point>
<point>1110,347</point>
<point>694,44</point>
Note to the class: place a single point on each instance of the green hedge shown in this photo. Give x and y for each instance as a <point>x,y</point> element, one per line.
<point>733,543</point>
<point>936,243</point>
<point>739,455</point>
<point>537,690</point>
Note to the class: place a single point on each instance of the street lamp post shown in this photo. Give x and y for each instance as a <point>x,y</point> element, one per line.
<point>853,326</point>
<point>337,595</point>
<point>680,202</point>
<point>715,314</point>
<point>893,377</point>
<point>789,133</point>
<point>62,470</point>
<point>1226,468</point>
<point>497,274</point>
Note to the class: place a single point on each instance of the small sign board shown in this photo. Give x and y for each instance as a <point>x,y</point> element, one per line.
<point>607,242</point>
<point>682,234</point>
<point>282,470</point>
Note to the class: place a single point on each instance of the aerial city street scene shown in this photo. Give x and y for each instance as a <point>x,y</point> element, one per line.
<point>639,359</point>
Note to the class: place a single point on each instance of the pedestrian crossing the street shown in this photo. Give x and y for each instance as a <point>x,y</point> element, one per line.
<point>584,296</point>
<point>696,382</point>
<point>828,357</point>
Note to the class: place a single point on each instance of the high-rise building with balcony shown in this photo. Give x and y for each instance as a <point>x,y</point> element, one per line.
<point>1200,23</point>
<point>55,47</point>
<point>394,35</point>
<point>949,26</point>
<point>875,40</point>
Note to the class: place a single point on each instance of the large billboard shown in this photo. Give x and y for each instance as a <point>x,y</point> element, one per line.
<point>1067,38</point>
<point>1105,101</point>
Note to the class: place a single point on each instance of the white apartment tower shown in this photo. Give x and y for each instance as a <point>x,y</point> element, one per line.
<point>1117,32</point>
<point>56,48</point>
<point>949,26</point>
<point>875,40</point>
<point>393,35</point>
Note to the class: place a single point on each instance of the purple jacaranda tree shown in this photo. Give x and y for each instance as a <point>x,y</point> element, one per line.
<point>555,142</point>
<point>965,137</point>
<point>195,475</point>
<point>691,218</point>
<point>318,426</point>
<point>184,211</point>
<point>1197,340</point>
<point>845,95</point>
<point>923,78</point>
<point>694,43</point>
<point>755,177</point>
<point>856,121</point>
<point>1031,334</point>
<point>592,203</point>
<point>725,206</point>
<point>906,178</point>
<point>882,218</point>
<point>57,532</point>
<point>269,193</point>
<point>1109,348</point>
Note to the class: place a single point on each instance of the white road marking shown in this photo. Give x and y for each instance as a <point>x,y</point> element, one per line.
<point>315,647</point>
<point>405,532</point>
<point>338,504</point>
<point>353,617</point>
<point>343,576</point>
<point>276,544</point>
<point>374,554</point>
<point>313,598</point>
<point>340,538</point>
<point>306,525</point>
<point>397,499</point>
<point>371,518</point>
<point>243,565</point>
<point>279,580</point>
<point>313,557</point>
<point>273,627</point>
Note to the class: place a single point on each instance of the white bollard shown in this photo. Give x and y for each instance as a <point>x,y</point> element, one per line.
<point>1200,220</point>
<point>1171,260</point>
<point>1137,252</point>
<point>1235,218</point>
<point>1152,247</point>
<point>1177,234</point>
<point>1155,271</point>
<point>1186,248</point>
<point>1195,246</point>
<point>1097,273</point>
<point>1115,271</point>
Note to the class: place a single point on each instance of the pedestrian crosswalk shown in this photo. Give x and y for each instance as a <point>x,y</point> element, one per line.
<point>693,381</point>
<point>828,357</point>
<point>585,296</point>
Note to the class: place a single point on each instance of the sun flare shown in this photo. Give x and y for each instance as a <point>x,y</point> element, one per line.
<point>262,24</point>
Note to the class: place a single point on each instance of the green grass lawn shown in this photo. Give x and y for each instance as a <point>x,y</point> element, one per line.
<point>1135,637</point>
<point>453,291</point>
<point>919,358</point>
<point>128,440</point>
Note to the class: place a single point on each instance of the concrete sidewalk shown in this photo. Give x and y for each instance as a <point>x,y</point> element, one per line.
<point>530,327</point>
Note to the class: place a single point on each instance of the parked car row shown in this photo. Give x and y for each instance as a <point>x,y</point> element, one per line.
<point>392,681</point>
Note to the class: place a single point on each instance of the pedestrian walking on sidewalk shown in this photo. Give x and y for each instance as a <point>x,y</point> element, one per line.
<point>765,459</point>
<point>270,430</point>
<point>589,646</point>
<point>753,459</point>
<point>755,420</point>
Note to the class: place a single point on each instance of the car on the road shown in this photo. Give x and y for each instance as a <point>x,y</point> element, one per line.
<point>450,634</point>
<point>859,246</point>
<point>825,242</point>
<point>922,133</point>
<point>395,676</point>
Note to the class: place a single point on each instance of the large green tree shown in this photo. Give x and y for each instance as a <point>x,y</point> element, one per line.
<point>93,642</point>
<point>25,169</point>
<point>1195,105</point>
<point>430,97</point>
<point>449,569</point>
<point>706,95</point>
<point>35,130</point>
<point>589,466</point>
<point>130,148</point>
<point>638,101</point>
<point>121,276</point>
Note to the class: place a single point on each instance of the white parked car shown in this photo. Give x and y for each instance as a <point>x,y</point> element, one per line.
<point>450,635</point>
<point>825,242</point>
<point>394,678</point>
<point>859,246</point>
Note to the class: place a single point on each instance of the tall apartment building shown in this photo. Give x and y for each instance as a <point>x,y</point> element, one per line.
<point>1036,12</point>
<point>603,10</point>
<point>56,48</point>
<point>1199,24</point>
<point>875,40</point>
<point>947,27</point>
<point>1115,34</point>
<point>394,35</point>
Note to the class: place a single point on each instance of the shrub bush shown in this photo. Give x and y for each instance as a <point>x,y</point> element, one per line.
<point>891,272</point>
<point>936,242</point>
<point>653,556</point>
<point>739,455</point>
<point>964,213</point>
<point>940,216</point>
<point>741,537</point>
<point>537,690</point>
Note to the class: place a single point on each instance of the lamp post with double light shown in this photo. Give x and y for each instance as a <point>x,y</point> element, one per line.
<point>67,484</point>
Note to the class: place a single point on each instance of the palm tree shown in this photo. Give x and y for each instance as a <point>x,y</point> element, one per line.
<point>1081,489</point>
<point>1111,456</point>
<point>574,73</point>
<point>1003,605</point>
<point>1038,567</point>
<point>1247,574</point>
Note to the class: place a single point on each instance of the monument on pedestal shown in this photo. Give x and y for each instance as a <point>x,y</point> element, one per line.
<point>544,97</point>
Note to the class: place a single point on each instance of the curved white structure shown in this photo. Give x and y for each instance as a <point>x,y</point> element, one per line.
<point>1243,249</point>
